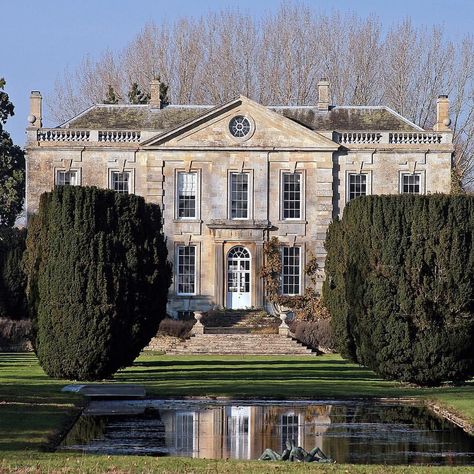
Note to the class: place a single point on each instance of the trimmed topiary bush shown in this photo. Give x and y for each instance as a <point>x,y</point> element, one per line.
<point>15,334</point>
<point>315,334</point>
<point>12,277</point>
<point>98,280</point>
<point>400,286</point>
<point>175,327</point>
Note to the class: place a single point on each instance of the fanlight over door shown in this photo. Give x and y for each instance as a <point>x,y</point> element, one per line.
<point>238,278</point>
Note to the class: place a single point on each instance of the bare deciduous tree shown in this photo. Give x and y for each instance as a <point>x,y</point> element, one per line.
<point>280,57</point>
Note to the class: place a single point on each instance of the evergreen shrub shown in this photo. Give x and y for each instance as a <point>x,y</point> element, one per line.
<point>98,280</point>
<point>400,286</point>
<point>12,277</point>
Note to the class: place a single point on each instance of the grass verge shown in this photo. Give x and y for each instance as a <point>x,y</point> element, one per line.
<point>33,410</point>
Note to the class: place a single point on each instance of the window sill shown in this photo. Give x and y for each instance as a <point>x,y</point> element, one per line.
<point>187,221</point>
<point>292,221</point>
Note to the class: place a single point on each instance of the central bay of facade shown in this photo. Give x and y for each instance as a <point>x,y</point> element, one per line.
<point>229,178</point>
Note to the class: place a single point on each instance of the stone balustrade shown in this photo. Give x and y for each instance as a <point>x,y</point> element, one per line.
<point>119,136</point>
<point>55,135</point>
<point>416,138</point>
<point>62,135</point>
<point>349,139</point>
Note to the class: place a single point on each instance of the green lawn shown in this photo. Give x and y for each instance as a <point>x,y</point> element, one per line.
<point>33,411</point>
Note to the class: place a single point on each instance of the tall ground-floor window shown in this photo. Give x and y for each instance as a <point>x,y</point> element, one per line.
<point>186,270</point>
<point>291,270</point>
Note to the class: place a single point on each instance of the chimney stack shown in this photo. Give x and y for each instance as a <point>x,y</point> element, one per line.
<point>323,94</point>
<point>442,114</point>
<point>35,118</point>
<point>155,100</point>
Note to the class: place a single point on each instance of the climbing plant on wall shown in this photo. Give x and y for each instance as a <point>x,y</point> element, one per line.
<point>307,305</point>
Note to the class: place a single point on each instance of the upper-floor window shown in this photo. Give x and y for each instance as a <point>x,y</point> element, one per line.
<point>357,185</point>
<point>411,183</point>
<point>290,270</point>
<point>291,195</point>
<point>239,195</point>
<point>67,178</point>
<point>121,181</point>
<point>186,195</point>
<point>186,270</point>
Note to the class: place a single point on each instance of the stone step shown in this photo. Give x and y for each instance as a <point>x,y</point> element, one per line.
<point>240,343</point>
<point>240,318</point>
<point>235,329</point>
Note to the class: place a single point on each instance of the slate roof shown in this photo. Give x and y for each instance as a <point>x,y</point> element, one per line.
<point>342,119</point>
<point>143,117</point>
<point>135,117</point>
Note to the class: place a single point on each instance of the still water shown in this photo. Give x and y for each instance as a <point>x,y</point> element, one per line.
<point>348,432</point>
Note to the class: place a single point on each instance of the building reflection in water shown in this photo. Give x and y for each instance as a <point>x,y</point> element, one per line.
<point>243,432</point>
<point>349,432</point>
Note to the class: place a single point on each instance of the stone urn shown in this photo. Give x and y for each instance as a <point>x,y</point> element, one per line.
<point>198,327</point>
<point>284,329</point>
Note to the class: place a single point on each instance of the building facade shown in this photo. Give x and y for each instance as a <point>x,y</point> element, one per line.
<point>230,177</point>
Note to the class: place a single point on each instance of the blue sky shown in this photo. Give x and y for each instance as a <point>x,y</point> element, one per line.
<point>40,39</point>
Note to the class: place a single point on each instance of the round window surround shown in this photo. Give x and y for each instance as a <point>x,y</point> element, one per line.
<point>241,127</point>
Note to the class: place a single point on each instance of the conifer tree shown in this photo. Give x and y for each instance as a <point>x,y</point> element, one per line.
<point>400,286</point>
<point>136,96</point>
<point>111,97</point>
<point>12,167</point>
<point>98,280</point>
<point>12,277</point>
<point>164,93</point>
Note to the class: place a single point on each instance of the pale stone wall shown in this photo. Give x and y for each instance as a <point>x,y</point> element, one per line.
<point>277,145</point>
<point>385,167</point>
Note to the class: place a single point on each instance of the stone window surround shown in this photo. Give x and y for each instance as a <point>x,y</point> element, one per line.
<point>197,218</point>
<point>63,169</point>
<point>250,174</point>
<point>420,173</point>
<point>131,182</point>
<point>302,217</point>
<point>197,269</point>
<point>347,186</point>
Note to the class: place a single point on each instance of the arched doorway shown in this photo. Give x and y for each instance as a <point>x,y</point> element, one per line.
<point>238,278</point>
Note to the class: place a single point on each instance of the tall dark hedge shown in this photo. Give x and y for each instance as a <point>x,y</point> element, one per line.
<point>12,276</point>
<point>98,280</point>
<point>400,286</point>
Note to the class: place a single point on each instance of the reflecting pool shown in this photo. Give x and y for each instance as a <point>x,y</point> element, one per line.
<point>347,431</point>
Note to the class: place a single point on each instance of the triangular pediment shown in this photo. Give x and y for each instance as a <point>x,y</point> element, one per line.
<point>268,129</point>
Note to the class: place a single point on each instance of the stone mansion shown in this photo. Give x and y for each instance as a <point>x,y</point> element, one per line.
<point>229,177</point>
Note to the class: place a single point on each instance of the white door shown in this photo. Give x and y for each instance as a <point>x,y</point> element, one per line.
<point>238,278</point>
